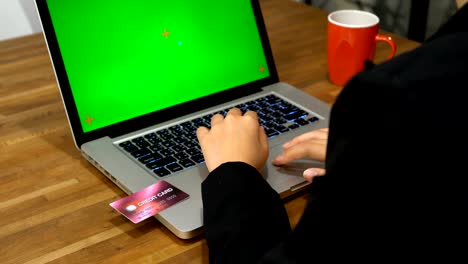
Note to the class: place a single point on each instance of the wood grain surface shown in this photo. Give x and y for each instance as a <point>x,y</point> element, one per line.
<point>54,206</point>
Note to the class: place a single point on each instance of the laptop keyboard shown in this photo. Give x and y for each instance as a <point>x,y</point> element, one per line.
<point>176,148</point>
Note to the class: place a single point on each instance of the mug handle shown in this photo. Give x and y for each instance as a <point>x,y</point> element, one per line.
<point>389,41</point>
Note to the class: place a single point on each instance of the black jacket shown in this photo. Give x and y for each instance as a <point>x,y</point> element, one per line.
<point>397,172</point>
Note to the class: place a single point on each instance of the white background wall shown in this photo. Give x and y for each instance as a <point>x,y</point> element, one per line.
<point>18,18</point>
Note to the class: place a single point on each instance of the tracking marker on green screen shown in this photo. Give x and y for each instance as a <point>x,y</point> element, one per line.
<point>166,34</point>
<point>261,69</point>
<point>89,120</point>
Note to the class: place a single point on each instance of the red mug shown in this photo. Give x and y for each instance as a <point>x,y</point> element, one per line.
<point>352,37</point>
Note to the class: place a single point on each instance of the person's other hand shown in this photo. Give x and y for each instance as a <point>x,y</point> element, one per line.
<point>311,145</point>
<point>236,137</point>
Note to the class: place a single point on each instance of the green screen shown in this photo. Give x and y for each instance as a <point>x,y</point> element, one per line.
<point>129,58</point>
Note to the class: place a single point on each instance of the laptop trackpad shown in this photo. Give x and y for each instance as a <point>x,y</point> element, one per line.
<point>283,178</point>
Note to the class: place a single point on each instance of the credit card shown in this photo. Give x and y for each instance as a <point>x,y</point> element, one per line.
<point>149,201</point>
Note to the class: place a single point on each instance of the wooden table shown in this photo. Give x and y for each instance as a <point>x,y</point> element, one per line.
<point>54,205</point>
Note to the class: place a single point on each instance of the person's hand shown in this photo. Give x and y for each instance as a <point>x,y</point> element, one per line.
<point>236,137</point>
<point>311,145</point>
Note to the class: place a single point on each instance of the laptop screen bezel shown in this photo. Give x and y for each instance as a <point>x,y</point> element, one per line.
<point>155,117</point>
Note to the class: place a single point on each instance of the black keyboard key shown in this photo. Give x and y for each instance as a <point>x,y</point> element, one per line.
<point>140,153</point>
<point>130,148</point>
<point>198,158</point>
<point>126,143</point>
<point>254,108</point>
<point>175,128</point>
<point>162,132</point>
<point>174,167</point>
<point>143,144</point>
<point>189,144</point>
<point>302,122</point>
<point>281,128</point>
<point>276,115</point>
<point>181,155</point>
<point>186,163</point>
<point>206,124</point>
<point>281,121</point>
<point>156,148</point>
<point>192,136</point>
<point>179,140</point>
<point>288,110</point>
<point>166,152</point>
<point>155,140</point>
<point>190,127</point>
<point>161,162</point>
<point>150,135</point>
<point>295,115</point>
<point>168,143</point>
<point>198,121</point>
<point>270,124</point>
<point>193,151</point>
<point>178,148</point>
<point>150,158</point>
<point>178,133</point>
<point>271,132</point>
<point>293,126</point>
<point>313,119</point>
<point>161,172</point>
<point>140,142</point>
<point>207,118</point>
<point>167,136</point>
<point>186,124</point>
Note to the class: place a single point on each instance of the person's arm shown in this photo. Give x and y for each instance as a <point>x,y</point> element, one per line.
<point>243,216</point>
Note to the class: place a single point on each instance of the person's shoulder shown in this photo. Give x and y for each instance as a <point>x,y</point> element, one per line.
<point>457,23</point>
<point>442,56</point>
<point>418,76</point>
<point>442,60</point>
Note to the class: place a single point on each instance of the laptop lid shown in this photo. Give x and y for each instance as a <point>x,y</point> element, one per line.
<point>125,65</point>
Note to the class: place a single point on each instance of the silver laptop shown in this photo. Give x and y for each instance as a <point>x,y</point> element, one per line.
<point>138,77</point>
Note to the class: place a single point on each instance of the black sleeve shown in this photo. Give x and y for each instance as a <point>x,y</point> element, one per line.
<point>243,216</point>
<point>396,183</point>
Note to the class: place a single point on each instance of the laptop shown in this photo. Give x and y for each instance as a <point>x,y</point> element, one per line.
<point>138,77</point>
